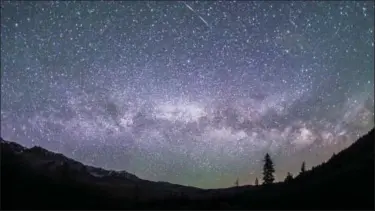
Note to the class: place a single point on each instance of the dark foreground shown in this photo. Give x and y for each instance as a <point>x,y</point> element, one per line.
<point>38,179</point>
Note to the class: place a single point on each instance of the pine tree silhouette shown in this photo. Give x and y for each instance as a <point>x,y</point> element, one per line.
<point>303,167</point>
<point>236,183</point>
<point>333,155</point>
<point>268,170</point>
<point>289,177</point>
<point>256,181</point>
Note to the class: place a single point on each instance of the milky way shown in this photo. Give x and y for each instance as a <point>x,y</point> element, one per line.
<point>193,93</point>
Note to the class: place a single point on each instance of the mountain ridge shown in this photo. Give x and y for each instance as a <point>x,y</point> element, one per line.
<point>50,174</point>
<point>47,158</point>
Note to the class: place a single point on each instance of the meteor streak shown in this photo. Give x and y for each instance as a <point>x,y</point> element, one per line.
<point>200,17</point>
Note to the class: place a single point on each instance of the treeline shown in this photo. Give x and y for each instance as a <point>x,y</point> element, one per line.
<point>269,171</point>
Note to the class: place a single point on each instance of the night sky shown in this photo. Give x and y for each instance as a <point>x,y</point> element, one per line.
<point>194,92</point>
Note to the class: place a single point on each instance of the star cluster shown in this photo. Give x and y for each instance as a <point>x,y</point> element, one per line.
<point>193,93</point>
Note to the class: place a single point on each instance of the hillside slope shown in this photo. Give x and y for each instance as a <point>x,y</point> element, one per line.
<point>346,181</point>
<point>50,180</point>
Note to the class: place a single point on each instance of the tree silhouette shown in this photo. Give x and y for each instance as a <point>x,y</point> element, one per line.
<point>333,155</point>
<point>289,177</point>
<point>236,182</point>
<point>256,181</point>
<point>268,170</point>
<point>303,167</point>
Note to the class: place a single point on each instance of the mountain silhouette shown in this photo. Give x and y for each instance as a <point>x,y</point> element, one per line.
<point>35,178</point>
